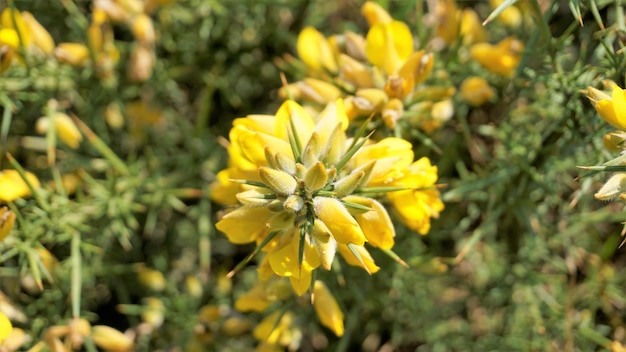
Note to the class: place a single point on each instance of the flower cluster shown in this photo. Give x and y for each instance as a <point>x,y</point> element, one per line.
<point>380,74</point>
<point>305,191</point>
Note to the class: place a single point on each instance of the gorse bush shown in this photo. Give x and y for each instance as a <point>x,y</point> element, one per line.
<point>205,176</point>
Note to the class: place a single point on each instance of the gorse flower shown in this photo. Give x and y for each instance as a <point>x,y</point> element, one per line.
<point>502,58</point>
<point>380,74</point>
<point>12,186</point>
<point>612,108</point>
<point>306,191</point>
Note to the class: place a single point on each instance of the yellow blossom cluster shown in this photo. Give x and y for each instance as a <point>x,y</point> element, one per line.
<point>380,74</point>
<point>303,191</point>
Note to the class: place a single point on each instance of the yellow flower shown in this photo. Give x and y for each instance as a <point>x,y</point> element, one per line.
<point>617,346</point>
<point>278,329</point>
<point>388,45</point>
<point>110,339</point>
<point>611,108</point>
<point>448,15</point>
<point>305,196</point>
<point>472,30</point>
<point>40,36</point>
<point>12,186</point>
<point>315,50</point>
<point>476,90</point>
<point>75,54</point>
<point>65,128</point>
<point>5,327</point>
<point>502,58</point>
<point>327,309</point>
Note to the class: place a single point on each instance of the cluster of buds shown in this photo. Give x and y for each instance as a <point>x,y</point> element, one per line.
<point>380,74</point>
<point>100,47</point>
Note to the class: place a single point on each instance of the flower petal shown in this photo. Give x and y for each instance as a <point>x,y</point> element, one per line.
<point>245,224</point>
<point>327,309</point>
<point>376,223</point>
<point>341,224</point>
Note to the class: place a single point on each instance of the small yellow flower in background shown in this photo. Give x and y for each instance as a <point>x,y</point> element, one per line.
<point>153,313</point>
<point>511,16</point>
<point>476,90</point>
<point>151,278</point>
<point>74,54</point>
<point>5,327</point>
<point>448,20</point>
<point>12,186</point>
<point>617,346</point>
<point>40,36</point>
<point>110,339</point>
<point>502,58</point>
<point>12,19</point>
<point>66,129</point>
<point>472,29</point>
<point>278,329</point>
<point>32,36</point>
<point>612,108</point>
<point>388,45</point>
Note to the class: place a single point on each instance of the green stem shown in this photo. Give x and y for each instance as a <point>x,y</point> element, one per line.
<point>76,275</point>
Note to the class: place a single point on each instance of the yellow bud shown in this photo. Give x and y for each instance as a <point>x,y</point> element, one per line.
<point>312,150</point>
<point>153,314</point>
<point>324,244</point>
<point>348,184</point>
<point>111,339</point>
<point>614,141</point>
<point>613,187</point>
<point>12,18</point>
<point>253,198</point>
<point>66,129</point>
<point>74,54</point>
<point>294,203</point>
<point>374,13</point>
<point>141,64</point>
<point>41,38</point>
<point>278,181</point>
<point>472,29</point>
<point>143,30</point>
<point>236,326</point>
<point>476,91</point>
<point>152,279</point>
<point>12,186</point>
<point>355,46</point>
<point>7,219</point>
<point>315,177</point>
<point>113,116</point>
<point>194,286</point>
<point>418,66</point>
<point>392,112</point>
<point>9,37</point>
<point>355,72</point>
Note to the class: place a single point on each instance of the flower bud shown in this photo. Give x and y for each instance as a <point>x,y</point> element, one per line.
<point>143,30</point>
<point>194,286</point>
<point>613,187</point>
<point>392,112</point>
<point>278,181</point>
<point>65,128</point>
<point>141,64</point>
<point>12,186</point>
<point>236,326</point>
<point>111,339</point>
<point>614,141</point>
<point>12,19</point>
<point>315,177</point>
<point>374,13</point>
<point>153,314</point>
<point>476,91</point>
<point>74,54</point>
<point>355,46</point>
<point>113,116</point>
<point>152,279</point>
<point>41,38</point>
<point>355,72</point>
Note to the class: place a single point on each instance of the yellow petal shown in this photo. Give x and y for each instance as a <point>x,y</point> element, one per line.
<point>75,54</point>
<point>9,37</point>
<point>111,339</point>
<point>327,309</point>
<point>374,13</point>
<point>392,156</point>
<point>5,327</point>
<point>315,51</point>
<point>375,223</point>
<point>324,244</point>
<point>607,112</point>
<point>271,328</point>
<point>7,18</point>
<point>301,283</point>
<point>244,224</point>
<point>303,122</point>
<point>278,181</point>
<point>351,259</point>
<point>254,300</point>
<point>41,38</point>
<point>12,186</point>
<point>388,45</point>
<point>619,105</point>
<point>7,219</point>
<point>341,224</point>
<point>476,90</point>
